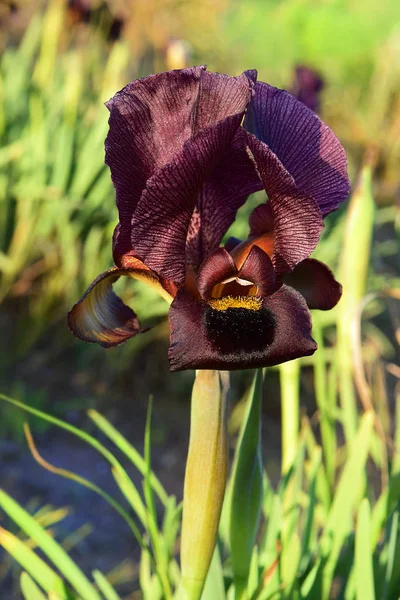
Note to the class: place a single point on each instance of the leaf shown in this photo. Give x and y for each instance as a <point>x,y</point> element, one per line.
<point>105,586</point>
<point>246,488</point>
<point>32,563</point>
<point>338,524</point>
<point>29,589</point>
<point>364,574</point>
<point>49,546</point>
<point>214,587</point>
<point>134,456</point>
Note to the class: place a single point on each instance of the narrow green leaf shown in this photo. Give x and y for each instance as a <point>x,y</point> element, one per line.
<point>214,588</point>
<point>105,586</point>
<point>32,563</point>
<point>290,401</point>
<point>347,492</point>
<point>49,546</point>
<point>29,589</point>
<point>254,574</point>
<point>134,456</point>
<point>390,552</point>
<point>354,268</point>
<point>364,574</point>
<point>246,488</point>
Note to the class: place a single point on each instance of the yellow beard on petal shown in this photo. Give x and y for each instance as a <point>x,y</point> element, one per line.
<point>249,302</point>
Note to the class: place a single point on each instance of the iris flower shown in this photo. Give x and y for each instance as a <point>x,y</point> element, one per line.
<point>186,148</point>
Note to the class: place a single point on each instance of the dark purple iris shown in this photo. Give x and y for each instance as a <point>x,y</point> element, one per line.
<point>307,86</point>
<point>185,149</point>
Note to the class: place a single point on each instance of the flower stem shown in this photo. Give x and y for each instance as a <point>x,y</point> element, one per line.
<point>205,479</point>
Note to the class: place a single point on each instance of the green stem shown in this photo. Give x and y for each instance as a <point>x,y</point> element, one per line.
<point>205,479</point>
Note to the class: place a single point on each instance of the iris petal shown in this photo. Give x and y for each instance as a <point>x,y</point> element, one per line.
<point>150,120</point>
<point>101,316</point>
<point>258,268</point>
<point>297,219</point>
<point>286,324</point>
<point>168,132</point>
<point>215,268</point>
<point>161,221</point>
<point>224,192</point>
<point>316,282</point>
<point>307,148</point>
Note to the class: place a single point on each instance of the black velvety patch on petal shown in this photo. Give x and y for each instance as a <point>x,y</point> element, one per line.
<point>202,340</point>
<point>239,329</point>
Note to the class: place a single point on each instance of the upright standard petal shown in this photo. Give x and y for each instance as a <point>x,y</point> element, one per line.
<point>161,221</point>
<point>296,217</point>
<point>101,316</point>
<point>306,147</point>
<point>175,129</point>
<point>224,192</point>
<point>150,120</point>
<point>239,338</point>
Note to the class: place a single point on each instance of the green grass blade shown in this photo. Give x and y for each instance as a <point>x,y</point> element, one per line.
<point>214,587</point>
<point>290,401</point>
<point>101,449</point>
<point>32,563</point>
<point>353,276</point>
<point>50,547</point>
<point>129,451</point>
<point>364,574</point>
<point>29,589</point>
<point>84,482</point>
<point>246,490</point>
<point>347,492</point>
<point>105,586</point>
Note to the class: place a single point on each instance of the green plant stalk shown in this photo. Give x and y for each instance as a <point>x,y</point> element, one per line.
<point>290,380</point>
<point>353,276</point>
<point>246,490</point>
<point>205,480</point>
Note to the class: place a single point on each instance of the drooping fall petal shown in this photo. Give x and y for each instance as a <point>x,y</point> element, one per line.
<point>239,338</point>
<point>316,282</point>
<point>101,316</point>
<point>307,148</point>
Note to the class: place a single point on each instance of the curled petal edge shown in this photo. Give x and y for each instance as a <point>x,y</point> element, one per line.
<point>101,317</point>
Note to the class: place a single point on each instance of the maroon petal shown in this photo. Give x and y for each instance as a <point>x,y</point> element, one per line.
<point>239,338</point>
<point>316,282</point>
<point>297,219</point>
<point>234,178</point>
<point>306,147</point>
<point>161,220</point>
<point>261,220</point>
<point>218,265</point>
<point>221,96</point>
<point>150,120</point>
<point>224,192</point>
<point>259,269</point>
<point>101,316</point>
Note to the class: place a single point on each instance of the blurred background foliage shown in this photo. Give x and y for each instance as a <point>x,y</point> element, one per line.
<point>61,60</point>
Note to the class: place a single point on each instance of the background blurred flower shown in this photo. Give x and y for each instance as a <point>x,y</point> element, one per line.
<point>307,87</point>
<point>182,165</point>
